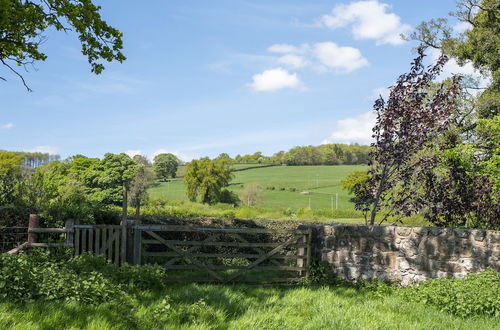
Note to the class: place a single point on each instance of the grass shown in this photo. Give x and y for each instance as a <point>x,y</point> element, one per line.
<point>197,306</point>
<point>321,182</point>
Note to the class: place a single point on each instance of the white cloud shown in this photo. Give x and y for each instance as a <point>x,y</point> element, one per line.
<point>7,126</point>
<point>381,91</point>
<point>132,153</point>
<point>368,20</point>
<point>341,59</point>
<point>184,156</point>
<point>353,129</point>
<point>283,48</point>
<point>293,61</point>
<point>45,149</point>
<point>273,80</point>
<point>462,27</point>
<point>452,67</point>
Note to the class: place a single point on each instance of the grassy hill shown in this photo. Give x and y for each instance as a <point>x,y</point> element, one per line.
<point>294,186</point>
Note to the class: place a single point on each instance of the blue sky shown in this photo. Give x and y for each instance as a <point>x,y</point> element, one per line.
<point>205,77</point>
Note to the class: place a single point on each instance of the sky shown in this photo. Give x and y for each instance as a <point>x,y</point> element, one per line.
<point>206,77</point>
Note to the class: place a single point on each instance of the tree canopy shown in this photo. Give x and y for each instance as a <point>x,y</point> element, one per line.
<point>205,179</point>
<point>165,166</point>
<point>23,24</point>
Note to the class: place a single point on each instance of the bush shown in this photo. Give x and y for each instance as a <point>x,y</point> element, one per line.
<point>476,294</point>
<point>54,275</point>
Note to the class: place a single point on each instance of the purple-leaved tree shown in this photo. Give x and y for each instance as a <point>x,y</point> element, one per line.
<point>417,111</point>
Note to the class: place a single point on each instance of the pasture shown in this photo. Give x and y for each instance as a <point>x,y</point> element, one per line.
<point>314,187</point>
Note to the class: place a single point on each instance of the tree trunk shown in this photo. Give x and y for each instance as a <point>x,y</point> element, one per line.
<point>380,190</point>
<point>138,211</point>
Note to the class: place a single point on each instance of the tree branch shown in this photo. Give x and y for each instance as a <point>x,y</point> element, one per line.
<point>17,73</point>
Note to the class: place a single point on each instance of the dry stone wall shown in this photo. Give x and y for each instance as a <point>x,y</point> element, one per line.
<point>405,254</point>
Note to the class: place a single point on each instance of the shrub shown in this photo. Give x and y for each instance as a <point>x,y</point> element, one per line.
<point>476,294</point>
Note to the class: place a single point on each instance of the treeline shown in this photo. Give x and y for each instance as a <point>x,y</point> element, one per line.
<point>35,159</point>
<point>79,187</point>
<point>325,154</point>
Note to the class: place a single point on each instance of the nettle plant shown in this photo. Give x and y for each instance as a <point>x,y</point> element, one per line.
<point>417,111</point>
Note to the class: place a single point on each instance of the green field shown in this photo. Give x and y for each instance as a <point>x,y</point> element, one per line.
<point>321,183</point>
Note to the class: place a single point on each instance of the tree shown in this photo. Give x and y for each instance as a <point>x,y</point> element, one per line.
<point>23,23</point>
<point>140,183</point>
<point>10,171</point>
<point>205,179</point>
<point>118,172</point>
<point>251,194</point>
<point>410,120</point>
<point>480,45</point>
<point>357,183</point>
<point>165,166</point>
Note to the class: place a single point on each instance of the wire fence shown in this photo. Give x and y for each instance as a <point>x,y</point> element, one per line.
<point>11,237</point>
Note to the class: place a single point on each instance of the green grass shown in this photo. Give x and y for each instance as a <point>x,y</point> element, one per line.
<point>197,306</point>
<point>321,182</point>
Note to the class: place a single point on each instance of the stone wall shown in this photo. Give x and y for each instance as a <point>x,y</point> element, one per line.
<point>405,254</point>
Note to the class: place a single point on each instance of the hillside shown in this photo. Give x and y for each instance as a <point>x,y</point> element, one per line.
<point>289,182</point>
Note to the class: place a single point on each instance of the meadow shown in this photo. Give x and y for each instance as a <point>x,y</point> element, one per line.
<point>313,187</point>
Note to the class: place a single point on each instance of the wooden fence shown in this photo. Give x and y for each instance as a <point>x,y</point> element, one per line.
<point>189,253</point>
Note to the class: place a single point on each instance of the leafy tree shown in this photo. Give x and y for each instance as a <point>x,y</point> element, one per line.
<point>205,179</point>
<point>480,44</point>
<point>357,184</point>
<point>140,183</point>
<point>410,120</point>
<point>23,23</point>
<point>118,171</point>
<point>10,171</point>
<point>251,194</point>
<point>165,166</point>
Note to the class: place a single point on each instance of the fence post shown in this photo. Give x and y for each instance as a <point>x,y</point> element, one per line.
<point>301,251</point>
<point>123,247</point>
<point>69,232</point>
<point>137,244</point>
<point>34,222</point>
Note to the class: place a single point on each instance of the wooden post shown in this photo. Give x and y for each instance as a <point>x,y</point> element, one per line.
<point>34,222</point>
<point>137,246</point>
<point>308,260</point>
<point>301,251</point>
<point>123,247</point>
<point>130,241</point>
<point>69,233</point>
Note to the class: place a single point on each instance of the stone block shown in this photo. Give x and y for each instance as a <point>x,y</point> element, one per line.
<point>403,231</point>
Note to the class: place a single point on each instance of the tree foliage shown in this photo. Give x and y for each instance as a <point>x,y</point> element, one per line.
<point>411,119</point>
<point>205,179</point>
<point>23,24</point>
<point>165,166</point>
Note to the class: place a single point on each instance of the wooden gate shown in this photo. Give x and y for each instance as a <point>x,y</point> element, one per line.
<point>224,254</point>
<point>189,253</point>
<point>99,239</point>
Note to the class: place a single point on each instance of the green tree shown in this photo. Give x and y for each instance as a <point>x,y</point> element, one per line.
<point>10,171</point>
<point>140,183</point>
<point>165,166</point>
<point>205,179</point>
<point>118,171</point>
<point>23,23</point>
<point>357,184</point>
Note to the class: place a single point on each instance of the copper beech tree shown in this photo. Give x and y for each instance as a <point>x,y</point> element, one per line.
<point>417,111</point>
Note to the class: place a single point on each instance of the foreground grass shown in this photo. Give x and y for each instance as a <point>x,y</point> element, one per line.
<point>197,306</point>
